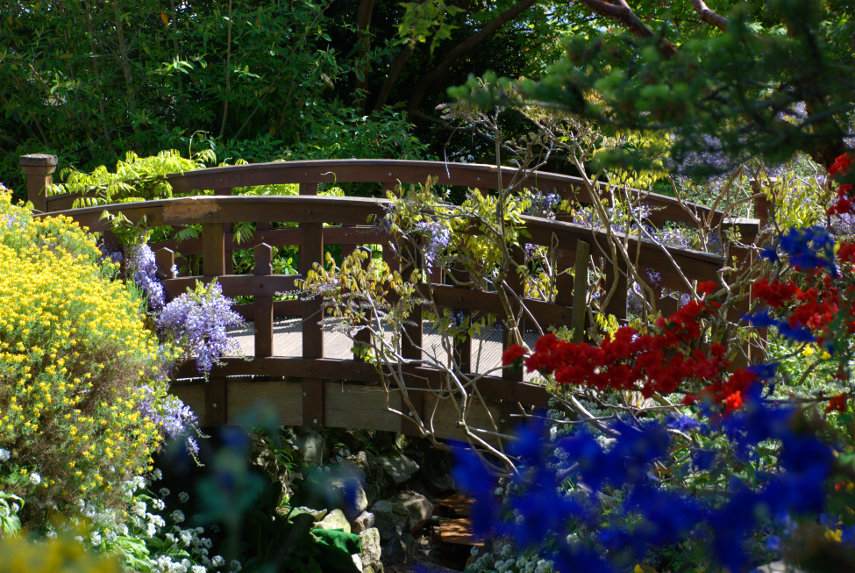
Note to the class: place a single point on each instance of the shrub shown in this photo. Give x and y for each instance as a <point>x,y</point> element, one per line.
<point>76,365</point>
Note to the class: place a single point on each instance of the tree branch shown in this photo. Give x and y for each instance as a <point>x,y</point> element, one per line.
<point>621,12</point>
<point>433,77</point>
<point>708,16</point>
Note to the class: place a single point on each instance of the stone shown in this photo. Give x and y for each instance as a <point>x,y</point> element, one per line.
<point>399,468</point>
<point>442,483</point>
<point>777,567</point>
<point>390,518</point>
<point>334,520</point>
<point>419,509</point>
<point>357,561</point>
<point>311,445</point>
<point>369,541</point>
<point>318,514</point>
<point>347,493</point>
<point>363,521</point>
<point>399,549</point>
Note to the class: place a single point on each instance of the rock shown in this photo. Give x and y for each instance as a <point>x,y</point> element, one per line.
<point>390,518</point>
<point>318,514</point>
<point>777,567</point>
<point>399,468</point>
<point>347,493</point>
<point>399,549</point>
<point>363,521</point>
<point>419,509</point>
<point>310,444</point>
<point>358,562</point>
<point>369,540</point>
<point>334,520</point>
<point>442,483</point>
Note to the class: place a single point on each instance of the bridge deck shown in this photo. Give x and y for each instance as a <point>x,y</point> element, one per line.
<point>287,342</point>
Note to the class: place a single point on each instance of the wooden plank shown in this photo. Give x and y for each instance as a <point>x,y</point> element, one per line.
<point>491,387</point>
<point>285,398</point>
<point>360,407</point>
<point>216,404</point>
<point>313,402</point>
<point>234,285</point>
<point>263,311</point>
<point>408,425</point>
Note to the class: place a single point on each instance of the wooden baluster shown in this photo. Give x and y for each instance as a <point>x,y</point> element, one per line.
<point>308,188</point>
<point>263,305</point>
<point>164,258</point>
<point>514,282</point>
<point>213,250</point>
<point>363,334</point>
<point>39,168</point>
<point>312,251</point>
<point>462,348</point>
<point>580,290</point>
<point>411,343</point>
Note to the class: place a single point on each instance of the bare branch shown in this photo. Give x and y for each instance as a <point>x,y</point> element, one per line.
<point>621,12</point>
<point>708,16</point>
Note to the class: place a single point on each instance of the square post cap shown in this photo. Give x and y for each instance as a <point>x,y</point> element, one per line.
<point>38,163</point>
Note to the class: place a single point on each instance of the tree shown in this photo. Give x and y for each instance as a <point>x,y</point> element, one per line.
<point>767,80</point>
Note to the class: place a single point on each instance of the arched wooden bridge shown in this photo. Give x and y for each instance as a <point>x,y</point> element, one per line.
<point>309,375</point>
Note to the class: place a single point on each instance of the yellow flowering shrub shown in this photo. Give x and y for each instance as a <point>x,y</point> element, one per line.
<point>61,555</point>
<point>76,364</point>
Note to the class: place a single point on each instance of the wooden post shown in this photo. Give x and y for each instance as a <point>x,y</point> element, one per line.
<point>516,285</point>
<point>263,305</point>
<point>39,168</point>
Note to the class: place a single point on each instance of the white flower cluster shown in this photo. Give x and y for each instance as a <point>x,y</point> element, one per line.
<point>504,559</point>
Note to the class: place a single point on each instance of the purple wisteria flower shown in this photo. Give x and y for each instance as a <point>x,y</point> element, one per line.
<point>173,418</point>
<point>199,320</point>
<point>437,235</point>
<point>143,269</point>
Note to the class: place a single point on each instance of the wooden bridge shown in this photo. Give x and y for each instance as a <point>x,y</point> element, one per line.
<point>307,372</point>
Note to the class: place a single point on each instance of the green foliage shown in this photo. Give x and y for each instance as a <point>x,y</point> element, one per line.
<point>74,357</point>
<point>135,179</point>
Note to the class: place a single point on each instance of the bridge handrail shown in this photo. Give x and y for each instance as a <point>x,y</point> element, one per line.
<point>390,172</point>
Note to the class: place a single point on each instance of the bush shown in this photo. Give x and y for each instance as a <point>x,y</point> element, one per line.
<point>77,367</point>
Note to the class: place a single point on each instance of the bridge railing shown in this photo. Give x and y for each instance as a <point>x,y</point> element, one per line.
<point>322,221</point>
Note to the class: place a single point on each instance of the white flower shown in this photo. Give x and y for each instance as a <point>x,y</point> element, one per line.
<point>5,454</point>
<point>235,566</point>
<point>164,492</point>
<point>197,569</point>
<point>95,539</point>
<point>158,504</point>
<point>177,516</point>
<point>139,508</point>
<point>183,497</point>
<point>186,536</point>
<point>218,561</point>
<point>35,478</point>
<point>157,475</point>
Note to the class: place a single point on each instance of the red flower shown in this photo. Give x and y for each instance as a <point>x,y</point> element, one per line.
<point>513,354</point>
<point>838,403</point>
<point>841,165</point>
<point>707,287</point>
